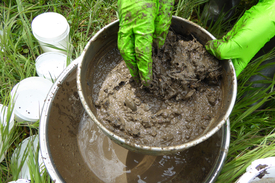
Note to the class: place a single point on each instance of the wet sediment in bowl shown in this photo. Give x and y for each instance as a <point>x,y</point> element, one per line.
<point>102,56</point>
<point>182,99</point>
<point>63,124</point>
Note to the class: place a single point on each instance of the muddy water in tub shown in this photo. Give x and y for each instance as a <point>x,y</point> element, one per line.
<point>112,163</point>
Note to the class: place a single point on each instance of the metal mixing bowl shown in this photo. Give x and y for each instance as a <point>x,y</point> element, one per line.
<point>59,130</point>
<point>105,41</point>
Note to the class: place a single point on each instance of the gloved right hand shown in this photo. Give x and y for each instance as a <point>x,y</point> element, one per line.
<point>140,23</point>
<point>248,36</point>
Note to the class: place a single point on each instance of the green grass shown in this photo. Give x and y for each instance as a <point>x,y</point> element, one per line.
<point>252,127</point>
<point>20,51</point>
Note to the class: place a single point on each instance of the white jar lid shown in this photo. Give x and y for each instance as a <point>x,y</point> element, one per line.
<point>19,156</point>
<point>50,27</point>
<point>264,167</point>
<point>50,65</point>
<point>3,116</point>
<point>3,120</point>
<point>28,97</point>
<point>21,181</point>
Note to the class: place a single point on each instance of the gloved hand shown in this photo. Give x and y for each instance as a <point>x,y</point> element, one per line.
<point>248,36</point>
<point>140,23</point>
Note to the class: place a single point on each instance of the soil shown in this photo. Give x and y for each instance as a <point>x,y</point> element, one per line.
<point>183,98</point>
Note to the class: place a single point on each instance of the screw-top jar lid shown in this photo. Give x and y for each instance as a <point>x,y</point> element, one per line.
<point>20,153</point>
<point>50,27</point>
<point>3,119</point>
<point>50,65</point>
<point>29,95</point>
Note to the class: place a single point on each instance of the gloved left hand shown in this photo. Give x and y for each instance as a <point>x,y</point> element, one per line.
<point>248,36</point>
<point>140,23</point>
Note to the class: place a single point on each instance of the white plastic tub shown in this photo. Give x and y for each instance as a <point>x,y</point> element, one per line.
<point>20,157</point>
<point>4,121</point>
<point>20,181</point>
<point>51,28</point>
<point>28,97</point>
<point>50,65</point>
<point>260,171</point>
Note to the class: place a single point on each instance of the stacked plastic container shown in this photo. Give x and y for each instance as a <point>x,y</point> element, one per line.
<point>28,98</point>
<point>52,32</point>
<point>49,65</point>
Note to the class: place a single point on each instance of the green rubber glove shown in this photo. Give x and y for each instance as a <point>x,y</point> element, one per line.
<point>140,23</point>
<point>248,36</point>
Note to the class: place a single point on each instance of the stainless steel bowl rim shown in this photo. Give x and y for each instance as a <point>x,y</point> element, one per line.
<point>43,141</point>
<point>153,148</point>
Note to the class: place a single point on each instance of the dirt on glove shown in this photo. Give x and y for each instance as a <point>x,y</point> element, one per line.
<point>184,96</point>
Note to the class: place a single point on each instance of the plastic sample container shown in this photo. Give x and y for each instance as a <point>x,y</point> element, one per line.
<point>51,29</point>
<point>4,122</point>
<point>20,181</point>
<point>260,171</point>
<point>28,97</point>
<point>21,156</point>
<point>50,65</point>
<point>3,116</point>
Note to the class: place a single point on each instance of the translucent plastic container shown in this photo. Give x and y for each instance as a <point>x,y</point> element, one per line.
<point>51,29</point>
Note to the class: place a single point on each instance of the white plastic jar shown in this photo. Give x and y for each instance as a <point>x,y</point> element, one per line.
<point>50,65</point>
<point>51,29</point>
<point>28,97</point>
<point>4,110</point>
<point>260,171</point>
<point>21,157</point>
